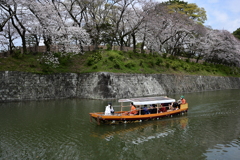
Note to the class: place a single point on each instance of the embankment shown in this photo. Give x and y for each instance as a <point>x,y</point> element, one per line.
<point>19,86</point>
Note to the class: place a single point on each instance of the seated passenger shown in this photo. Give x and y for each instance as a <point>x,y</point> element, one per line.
<point>163,109</point>
<point>154,109</point>
<point>150,109</point>
<point>175,105</point>
<point>182,100</point>
<point>145,109</point>
<point>132,111</point>
<point>108,109</point>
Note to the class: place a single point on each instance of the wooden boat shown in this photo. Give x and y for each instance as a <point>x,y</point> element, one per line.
<point>121,117</point>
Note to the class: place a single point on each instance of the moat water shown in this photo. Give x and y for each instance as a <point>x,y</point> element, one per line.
<point>61,129</point>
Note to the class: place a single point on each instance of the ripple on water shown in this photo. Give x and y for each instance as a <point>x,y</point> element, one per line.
<point>224,151</point>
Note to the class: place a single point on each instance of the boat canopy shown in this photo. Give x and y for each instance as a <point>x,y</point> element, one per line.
<point>148,100</point>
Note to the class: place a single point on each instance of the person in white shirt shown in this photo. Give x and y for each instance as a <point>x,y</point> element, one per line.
<point>109,109</point>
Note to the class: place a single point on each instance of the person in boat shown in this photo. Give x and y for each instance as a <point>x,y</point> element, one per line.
<point>167,105</point>
<point>175,105</point>
<point>145,110</point>
<point>109,109</point>
<point>150,109</point>
<point>153,109</point>
<point>133,110</point>
<point>162,109</point>
<point>181,101</point>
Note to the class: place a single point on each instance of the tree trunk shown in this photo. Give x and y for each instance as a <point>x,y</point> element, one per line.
<point>134,43</point>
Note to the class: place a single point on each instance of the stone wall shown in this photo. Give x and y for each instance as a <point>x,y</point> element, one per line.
<point>18,86</point>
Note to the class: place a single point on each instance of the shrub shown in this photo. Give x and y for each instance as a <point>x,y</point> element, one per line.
<point>93,59</point>
<point>111,58</point>
<point>167,65</point>
<point>151,63</point>
<point>95,67</point>
<point>141,63</point>
<point>130,65</point>
<point>109,47</point>
<point>187,60</point>
<point>159,61</point>
<point>18,55</point>
<point>164,55</point>
<point>117,64</point>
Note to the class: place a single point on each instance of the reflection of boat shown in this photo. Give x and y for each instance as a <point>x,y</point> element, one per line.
<point>155,129</point>
<point>121,117</point>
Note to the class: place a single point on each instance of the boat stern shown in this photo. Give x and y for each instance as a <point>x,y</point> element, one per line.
<point>184,106</point>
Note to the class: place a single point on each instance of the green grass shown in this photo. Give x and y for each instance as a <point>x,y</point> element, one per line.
<point>117,62</point>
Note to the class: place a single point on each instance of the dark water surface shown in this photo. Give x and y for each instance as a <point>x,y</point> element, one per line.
<point>61,129</point>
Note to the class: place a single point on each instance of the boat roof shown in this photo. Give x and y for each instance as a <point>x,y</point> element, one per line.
<point>148,100</point>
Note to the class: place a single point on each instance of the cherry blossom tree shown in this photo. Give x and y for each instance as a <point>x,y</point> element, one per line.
<point>5,16</point>
<point>167,31</point>
<point>222,48</point>
<point>57,28</point>
<point>7,36</point>
<point>73,24</point>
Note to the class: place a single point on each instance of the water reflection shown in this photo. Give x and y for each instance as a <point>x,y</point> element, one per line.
<point>144,131</point>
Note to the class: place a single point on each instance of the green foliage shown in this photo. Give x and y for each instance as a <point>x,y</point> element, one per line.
<point>150,63</point>
<point>187,60</point>
<point>164,55</point>
<point>117,64</point>
<point>108,47</point>
<point>167,65</point>
<point>141,63</point>
<point>130,65</point>
<point>95,67</point>
<point>64,60</point>
<point>115,61</point>
<point>237,33</point>
<point>190,9</point>
<point>18,55</point>
<point>94,58</point>
<point>159,61</point>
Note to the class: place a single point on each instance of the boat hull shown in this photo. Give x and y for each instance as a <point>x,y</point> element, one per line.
<point>120,117</point>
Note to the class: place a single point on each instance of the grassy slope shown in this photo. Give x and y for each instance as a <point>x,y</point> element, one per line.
<point>118,62</point>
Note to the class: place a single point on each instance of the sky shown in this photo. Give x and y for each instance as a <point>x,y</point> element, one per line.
<point>221,14</point>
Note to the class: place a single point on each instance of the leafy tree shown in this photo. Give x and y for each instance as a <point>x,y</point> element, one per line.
<point>191,9</point>
<point>237,33</point>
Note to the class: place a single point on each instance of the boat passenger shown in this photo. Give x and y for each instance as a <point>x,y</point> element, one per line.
<point>183,101</point>
<point>162,109</point>
<point>153,109</point>
<point>175,105</point>
<point>109,109</point>
<point>132,111</point>
<point>145,109</point>
<point>150,108</point>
